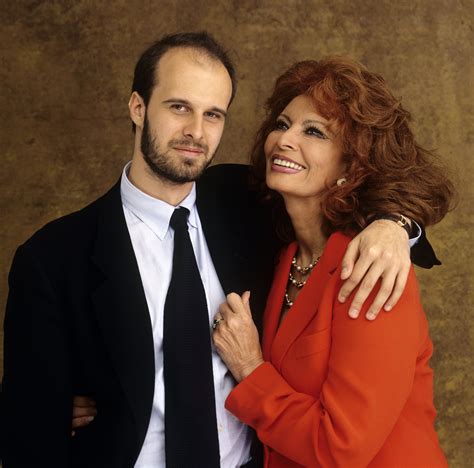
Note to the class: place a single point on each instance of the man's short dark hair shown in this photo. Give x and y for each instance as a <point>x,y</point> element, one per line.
<point>144,77</point>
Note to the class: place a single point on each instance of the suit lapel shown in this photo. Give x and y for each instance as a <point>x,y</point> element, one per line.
<point>239,233</point>
<point>122,310</point>
<point>225,238</point>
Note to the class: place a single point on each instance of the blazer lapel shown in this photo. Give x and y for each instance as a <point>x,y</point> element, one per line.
<point>307,303</point>
<point>274,305</point>
<point>122,310</point>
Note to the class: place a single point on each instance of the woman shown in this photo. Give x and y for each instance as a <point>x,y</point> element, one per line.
<point>334,151</point>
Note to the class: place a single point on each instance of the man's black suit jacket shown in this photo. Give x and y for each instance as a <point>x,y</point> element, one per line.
<point>77,323</point>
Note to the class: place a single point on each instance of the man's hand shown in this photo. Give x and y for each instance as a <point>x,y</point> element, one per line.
<point>83,412</point>
<point>380,251</point>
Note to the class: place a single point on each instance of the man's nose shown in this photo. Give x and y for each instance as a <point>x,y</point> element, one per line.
<point>194,128</point>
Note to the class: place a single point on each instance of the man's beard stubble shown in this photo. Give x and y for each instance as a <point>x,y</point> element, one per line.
<point>167,168</point>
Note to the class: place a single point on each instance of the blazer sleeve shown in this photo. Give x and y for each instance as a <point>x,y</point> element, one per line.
<point>36,393</point>
<point>369,377</point>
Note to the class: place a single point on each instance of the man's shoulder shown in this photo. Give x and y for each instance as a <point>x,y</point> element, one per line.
<point>225,174</point>
<point>75,228</point>
<point>228,169</point>
<point>228,184</point>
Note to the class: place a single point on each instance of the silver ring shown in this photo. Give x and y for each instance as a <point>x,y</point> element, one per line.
<point>216,323</point>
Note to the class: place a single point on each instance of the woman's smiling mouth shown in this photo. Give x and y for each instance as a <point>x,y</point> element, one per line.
<point>282,164</point>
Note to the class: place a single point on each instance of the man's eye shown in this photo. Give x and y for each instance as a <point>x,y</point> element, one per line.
<point>178,107</point>
<point>213,115</point>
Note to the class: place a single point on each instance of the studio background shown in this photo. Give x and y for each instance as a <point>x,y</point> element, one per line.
<point>66,70</point>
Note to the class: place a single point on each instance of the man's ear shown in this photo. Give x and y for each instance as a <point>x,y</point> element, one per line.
<point>137,109</point>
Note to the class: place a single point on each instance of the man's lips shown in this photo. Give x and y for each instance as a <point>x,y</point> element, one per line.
<point>188,149</point>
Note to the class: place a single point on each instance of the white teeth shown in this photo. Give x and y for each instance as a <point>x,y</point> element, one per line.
<point>284,163</point>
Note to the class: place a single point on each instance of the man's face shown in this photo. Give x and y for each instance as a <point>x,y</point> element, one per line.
<point>185,115</point>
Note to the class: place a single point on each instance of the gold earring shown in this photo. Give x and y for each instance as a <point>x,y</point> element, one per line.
<point>341,181</point>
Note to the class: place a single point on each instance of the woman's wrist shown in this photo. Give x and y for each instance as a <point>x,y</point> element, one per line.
<point>248,368</point>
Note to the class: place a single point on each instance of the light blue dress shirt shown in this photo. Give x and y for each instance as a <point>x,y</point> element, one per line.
<point>152,239</point>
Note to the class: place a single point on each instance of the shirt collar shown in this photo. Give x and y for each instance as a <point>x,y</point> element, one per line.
<point>155,213</point>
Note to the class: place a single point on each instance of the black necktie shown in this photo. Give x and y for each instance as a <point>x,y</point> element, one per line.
<point>190,412</point>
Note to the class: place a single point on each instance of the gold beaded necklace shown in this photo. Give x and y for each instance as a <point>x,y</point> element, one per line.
<point>299,284</point>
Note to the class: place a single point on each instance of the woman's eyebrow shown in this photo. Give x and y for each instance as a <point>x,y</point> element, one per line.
<point>314,121</point>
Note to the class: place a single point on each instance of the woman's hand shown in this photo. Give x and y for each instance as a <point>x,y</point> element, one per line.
<point>236,337</point>
<point>83,412</point>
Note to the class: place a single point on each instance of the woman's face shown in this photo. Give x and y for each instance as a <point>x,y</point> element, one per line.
<point>303,155</point>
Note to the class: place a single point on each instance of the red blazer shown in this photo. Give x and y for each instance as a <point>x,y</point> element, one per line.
<point>338,392</point>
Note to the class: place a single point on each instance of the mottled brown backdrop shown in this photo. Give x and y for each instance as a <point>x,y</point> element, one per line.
<point>66,69</point>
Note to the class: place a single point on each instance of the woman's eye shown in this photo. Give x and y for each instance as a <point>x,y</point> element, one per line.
<point>281,125</point>
<point>313,131</point>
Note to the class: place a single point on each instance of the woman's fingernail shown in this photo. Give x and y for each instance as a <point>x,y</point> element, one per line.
<point>388,308</point>
<point>370,316</point>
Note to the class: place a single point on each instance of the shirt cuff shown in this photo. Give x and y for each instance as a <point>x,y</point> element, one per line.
<point>416,233</point>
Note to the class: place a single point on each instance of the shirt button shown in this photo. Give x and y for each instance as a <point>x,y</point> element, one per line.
<point>220,428</point>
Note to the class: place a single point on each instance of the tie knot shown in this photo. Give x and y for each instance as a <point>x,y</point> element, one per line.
<point>179,219</point>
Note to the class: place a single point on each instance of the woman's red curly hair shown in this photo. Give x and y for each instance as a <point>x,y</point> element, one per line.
<point>387,171</point>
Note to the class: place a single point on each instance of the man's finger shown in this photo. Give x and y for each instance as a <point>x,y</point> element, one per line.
<point>83,401</point>
<point>358,273</point>
<point>80,411</point>
<point>399,288</point>
<point>82,422</point>
<point>365,288</point>
<point>350,257</point>
<point>384,292</point>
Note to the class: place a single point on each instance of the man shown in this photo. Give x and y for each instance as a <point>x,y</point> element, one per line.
<point>91,294</point>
